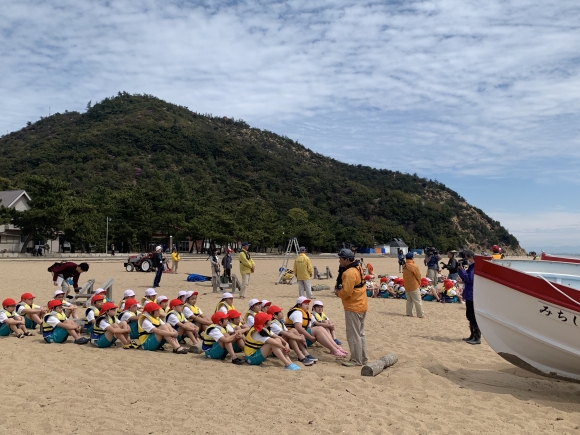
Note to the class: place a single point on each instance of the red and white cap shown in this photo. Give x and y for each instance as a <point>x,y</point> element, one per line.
<point>129,294</point>
<point>100,290</point>
<point>150,292</point>
<point>266,303</point>
<point>302,300</point>
<point>317,303</point>
<point>181,293</point>
<point>189,294</point>
<point>161,299</point>
<point>253,302</point>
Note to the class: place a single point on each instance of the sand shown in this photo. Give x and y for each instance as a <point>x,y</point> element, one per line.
<point>439,385</point>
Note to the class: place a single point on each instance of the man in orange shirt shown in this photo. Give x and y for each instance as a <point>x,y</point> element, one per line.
<point>412,278</point>
<point>352,290</point>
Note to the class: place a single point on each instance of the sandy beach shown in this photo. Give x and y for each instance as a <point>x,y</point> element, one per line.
<point>439,385</point>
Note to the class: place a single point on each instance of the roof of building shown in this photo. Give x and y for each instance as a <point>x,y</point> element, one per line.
<point>9,197</point>
<point>398,243</point>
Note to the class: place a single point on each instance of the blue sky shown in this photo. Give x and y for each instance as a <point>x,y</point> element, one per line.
<point>482,96</point>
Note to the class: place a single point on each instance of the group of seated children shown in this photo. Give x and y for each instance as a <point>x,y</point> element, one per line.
<point>261,332</point>
<point>394,287</point>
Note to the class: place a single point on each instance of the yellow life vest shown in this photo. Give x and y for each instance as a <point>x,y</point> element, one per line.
<point>97,332</point>
<point>180,316</point>
<point>194,309</point>
<point>280,324</point>
<point>305,318</point>
<point>47,328</point>
<point>248,314</point>
<point>144,335</point>
<point>251,345</point>
<point>223,304</point>
<point>9,314</point>
<point>207,339</point>
<point>87,311</point>
<point>26,306</point>
<point>319,317</point>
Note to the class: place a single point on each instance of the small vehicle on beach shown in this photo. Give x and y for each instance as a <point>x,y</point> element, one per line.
<point>140,263</point>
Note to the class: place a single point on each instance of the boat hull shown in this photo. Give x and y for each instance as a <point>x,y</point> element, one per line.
<point>548,257</point>
<point>537,330</point>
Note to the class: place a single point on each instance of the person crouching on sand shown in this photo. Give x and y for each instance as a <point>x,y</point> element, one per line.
<point>56,327</point>
<point>260,343</point>
<point>299,318</point>
<point>154,332</point>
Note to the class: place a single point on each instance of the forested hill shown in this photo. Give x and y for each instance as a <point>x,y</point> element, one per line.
<point>158,168</point>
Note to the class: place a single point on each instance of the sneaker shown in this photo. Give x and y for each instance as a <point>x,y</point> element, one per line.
<point>238,361</point>
<point>135,345</point>
<point>311,358</point>
<point>82,340</point>
<point>336,340</point>
<point>293,367</point>
<point>306,361</point>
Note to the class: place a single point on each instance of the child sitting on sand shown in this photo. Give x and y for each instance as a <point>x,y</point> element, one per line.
<point>56,327</point>
<point>372,287</point>
<point>163,302</point>
<point>193,313</point>
<point>69,309</point>
<point>217,343</point>
<point>92,312</point>
<point>299,318</point>
<point>260,343</point>
<point>130,315</point>
<point>150,295</point>
<point>176,318</point>
<point>154,332</point>
<point>255,306</point>
<point>11,321</point>
<point>108,329</point>
<point>235,323</point>
<point>128,294</point>
<point>295,340</point>
<point>31,312</point>
<point>428,293</point>
<point>265,305</point>
<point>321,319</point>
<point>226,304</point>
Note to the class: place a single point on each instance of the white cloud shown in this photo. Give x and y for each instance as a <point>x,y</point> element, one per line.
<point>414,85</point>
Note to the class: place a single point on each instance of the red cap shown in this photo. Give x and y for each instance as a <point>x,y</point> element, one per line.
<point>54,303</point>
<point>384,279</point>
<point>150,307</point>
<point>8,302</point>
<point>217,316</point>
<point>96,298</point>
<point>174,303</point>
<point>260,320</point>
<point>27,296</point>
<point>273,309</point>
<point>232,314</point>
<point>368,277</point>
<point>130,302</point>
<point>107,306</point>
<point>229,250</point>
<point>448,285</point>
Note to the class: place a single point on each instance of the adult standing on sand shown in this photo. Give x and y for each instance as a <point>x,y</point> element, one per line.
<point>247,266</point>
<point>467,278</point>
<point>175,257</point>
<point>352,290</point>
<point>61,272</point>
<point>412,278</point>
<point>303,270</point>
<point>157,261</point>
<point>227,264</point>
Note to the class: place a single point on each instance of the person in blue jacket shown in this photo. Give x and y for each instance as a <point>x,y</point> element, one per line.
<point>467,278</point>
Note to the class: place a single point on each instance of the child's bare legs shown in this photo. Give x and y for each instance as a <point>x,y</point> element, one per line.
<point>16,326</point>
<point>189,330</point>
<point>34,317</point>
<point>71,312</point>
<point>268,349</point>
<point>296,348</point>
<point>325,339</point>
<point>229,347</point>
<point>167,333</point>
<point>120,331</point>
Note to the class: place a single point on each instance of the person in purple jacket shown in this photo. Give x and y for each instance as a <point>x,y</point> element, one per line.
<point>467,278</point>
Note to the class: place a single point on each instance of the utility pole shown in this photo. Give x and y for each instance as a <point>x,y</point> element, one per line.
<point>107,236</point>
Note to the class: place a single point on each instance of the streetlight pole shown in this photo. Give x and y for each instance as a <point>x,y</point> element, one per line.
<point>107,236</point>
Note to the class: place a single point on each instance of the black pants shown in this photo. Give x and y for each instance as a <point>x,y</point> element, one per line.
<point>228,274</point>
<point>470,313</point>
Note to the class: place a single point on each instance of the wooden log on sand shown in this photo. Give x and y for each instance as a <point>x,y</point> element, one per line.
<point>373,368</point>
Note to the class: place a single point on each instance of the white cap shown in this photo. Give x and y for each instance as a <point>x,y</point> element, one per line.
<point>393,277</point>
<point>301,300</point>
<point>100,290</point>
<point>253,302</point>
<point>402,288</point>
<point>58,292</point>
<point>454,281</point>
<point>181,293</point>
<point>150,292</point>
<point>188,294</point>
<point>128,293</point>
<point>227,295</point>
<point>161,299</point>
<point>317,303</point>
<point>266,302</point>
<point>158,248</point>
<point>429,279</point>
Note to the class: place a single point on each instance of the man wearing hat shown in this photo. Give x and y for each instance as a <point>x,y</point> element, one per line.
<point>247,266</point>
<point>412,279</point>
<point>303,272</point>
<point>157,261</point>
<point>451,265</point>
<point>352,290</point>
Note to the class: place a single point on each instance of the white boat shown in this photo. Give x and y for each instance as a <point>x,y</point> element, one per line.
<point>548,257</point>
<point>529,313</point>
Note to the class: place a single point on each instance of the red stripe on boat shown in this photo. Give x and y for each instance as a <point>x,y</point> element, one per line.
<point>547,257</point>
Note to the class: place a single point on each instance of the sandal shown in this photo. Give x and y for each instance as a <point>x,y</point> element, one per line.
<point>28,334</point>
<point>181,351</point>
<point>338,354</point>
<point>20,336</point>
